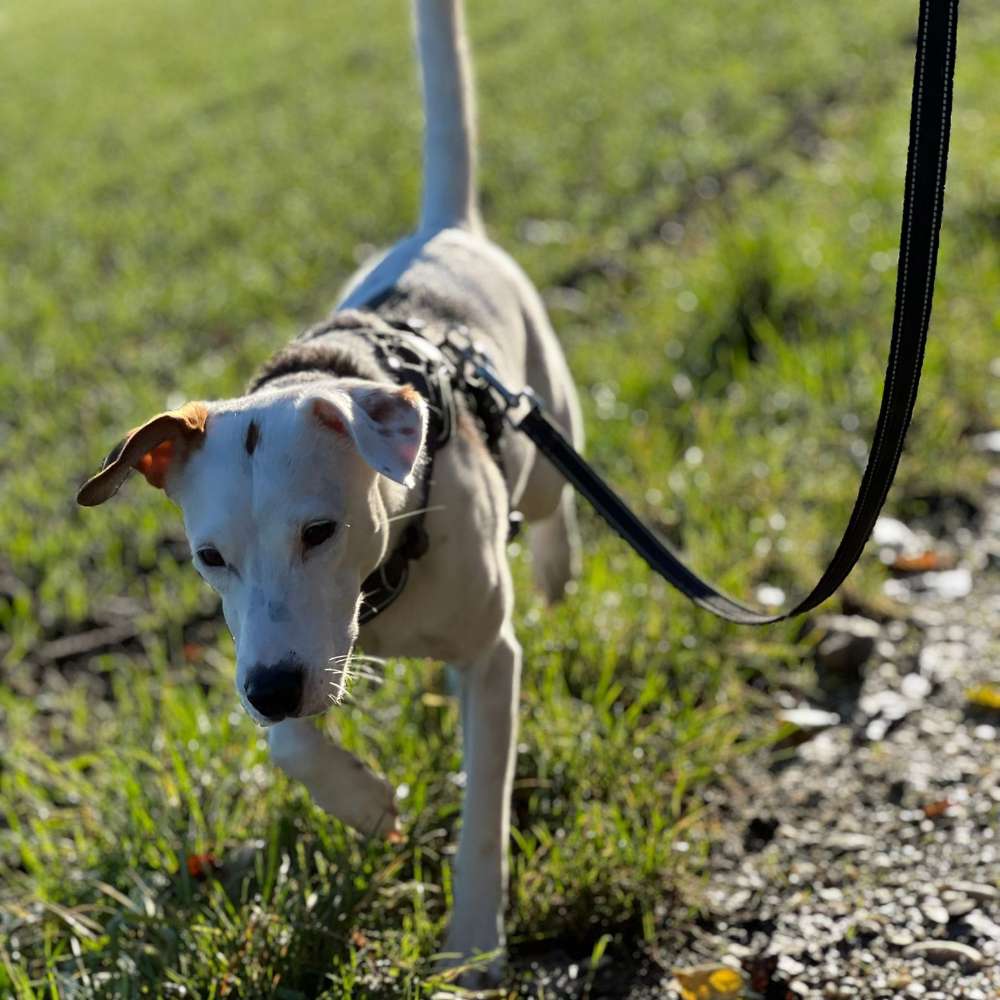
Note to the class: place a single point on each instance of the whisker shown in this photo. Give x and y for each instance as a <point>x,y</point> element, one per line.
<point>376,681</point>
<point>366,675</point>
<point>357,658</point>
<point>413,513</point>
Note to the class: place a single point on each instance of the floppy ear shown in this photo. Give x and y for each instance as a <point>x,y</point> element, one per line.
<point>387,424</point>
<point>150,448</point>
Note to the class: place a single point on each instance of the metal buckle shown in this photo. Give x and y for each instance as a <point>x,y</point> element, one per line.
<point>475,367</point>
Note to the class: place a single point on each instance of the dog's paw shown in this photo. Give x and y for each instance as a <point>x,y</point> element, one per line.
<point>359,797</point>
<point>474,974</point>
<point>473,957</point>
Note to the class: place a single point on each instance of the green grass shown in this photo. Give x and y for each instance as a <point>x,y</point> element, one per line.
<point>184,186</point>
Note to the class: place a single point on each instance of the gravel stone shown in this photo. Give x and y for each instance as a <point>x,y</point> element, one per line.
<point>943,952</point>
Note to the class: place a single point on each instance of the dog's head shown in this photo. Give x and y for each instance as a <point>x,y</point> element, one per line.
<point>285,515</point>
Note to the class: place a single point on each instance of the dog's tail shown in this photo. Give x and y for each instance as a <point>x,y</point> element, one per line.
<point>449,196</point>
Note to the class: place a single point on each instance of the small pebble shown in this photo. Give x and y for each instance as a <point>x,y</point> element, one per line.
<point>960,906</point>
<point>842,841</point>
<point>942,952</point>
<point>977,890</point>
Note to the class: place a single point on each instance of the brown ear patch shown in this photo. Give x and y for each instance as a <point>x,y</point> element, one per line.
<point>150,448</point>
<point>154,464</point>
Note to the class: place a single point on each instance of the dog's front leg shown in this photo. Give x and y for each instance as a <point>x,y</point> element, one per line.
<point>489,697</point>
<point>338,782</point>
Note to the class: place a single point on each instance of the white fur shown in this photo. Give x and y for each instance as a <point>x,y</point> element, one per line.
<point>281,601</point>
<point>337,781</point>
<point>449,197</point>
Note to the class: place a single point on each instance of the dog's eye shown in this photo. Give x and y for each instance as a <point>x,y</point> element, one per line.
<point>317,533</point>
<point>211,557</point>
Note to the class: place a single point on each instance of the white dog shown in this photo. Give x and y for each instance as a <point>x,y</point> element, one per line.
<point>294,494</point>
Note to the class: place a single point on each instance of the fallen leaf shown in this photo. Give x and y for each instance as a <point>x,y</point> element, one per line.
<point>934,810</point>
<point>200,866</point>
<point>985,696</point>
<point>923,562</point>
<point>710,982</point>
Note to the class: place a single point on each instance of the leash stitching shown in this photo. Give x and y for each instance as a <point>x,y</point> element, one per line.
<point>911,184</point>
<point>935,218</point>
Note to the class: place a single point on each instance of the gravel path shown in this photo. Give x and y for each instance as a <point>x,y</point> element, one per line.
<point>865,861</point>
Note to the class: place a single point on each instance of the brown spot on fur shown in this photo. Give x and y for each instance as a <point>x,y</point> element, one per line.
<point>253,437</point>
<point>194,416</point>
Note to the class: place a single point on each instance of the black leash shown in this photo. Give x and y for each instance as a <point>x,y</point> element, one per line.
<point>923,202</point>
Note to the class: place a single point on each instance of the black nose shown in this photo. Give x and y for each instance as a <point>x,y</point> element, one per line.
<point>276,692</point>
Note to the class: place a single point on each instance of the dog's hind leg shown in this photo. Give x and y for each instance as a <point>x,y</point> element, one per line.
<point>555,548</point>
<point>338,782</point>
<point>489,698</point>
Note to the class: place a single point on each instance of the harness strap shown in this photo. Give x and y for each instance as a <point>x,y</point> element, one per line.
<point>922,207</point>
<point>412,360</point>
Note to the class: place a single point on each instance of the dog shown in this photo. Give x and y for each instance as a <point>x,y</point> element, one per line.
<point>294,494</point>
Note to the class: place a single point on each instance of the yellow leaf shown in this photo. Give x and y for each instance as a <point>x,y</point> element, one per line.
<point>710,982</point>
<point>985,696</point>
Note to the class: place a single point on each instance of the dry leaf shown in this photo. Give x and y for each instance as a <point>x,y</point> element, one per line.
<point>923,562</point>
<point>710,982</point>
<point>200,866</point>
<point>985,696</point>
<point>934,810</point>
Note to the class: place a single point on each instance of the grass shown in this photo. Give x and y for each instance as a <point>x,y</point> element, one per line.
<point>709,200</point>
